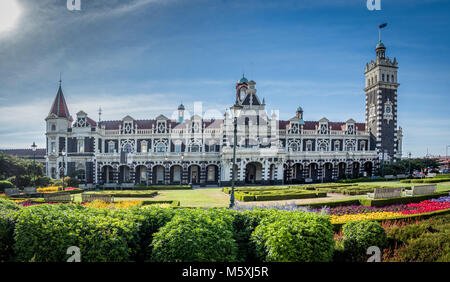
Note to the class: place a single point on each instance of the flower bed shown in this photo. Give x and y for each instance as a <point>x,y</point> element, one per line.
<point>118,205</point>
<point>352,213</point>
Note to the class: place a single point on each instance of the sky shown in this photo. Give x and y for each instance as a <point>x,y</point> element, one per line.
<point>144,57</point>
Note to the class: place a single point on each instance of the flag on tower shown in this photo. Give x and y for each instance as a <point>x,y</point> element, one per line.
<point>382,25</point>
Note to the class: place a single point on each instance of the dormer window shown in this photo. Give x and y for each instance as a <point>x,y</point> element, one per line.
<point>161,126</point>
<point>53,127</point>
<point>323,126</point>
<point>128,127</point>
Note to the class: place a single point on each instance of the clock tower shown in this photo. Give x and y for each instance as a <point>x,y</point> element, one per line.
<point>381,104</point>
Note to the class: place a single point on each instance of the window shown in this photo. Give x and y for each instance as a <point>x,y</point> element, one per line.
<point>309,146</point>
<point>336,146</point>
<point>144,147</point>
<point>111,147</point>
<point>195,148</point>
<point>53,127</point>
<point>387,77</point>
<point>160,148</point>
<point>382,77</point>
<point>362,146</point>
<point>53,147</point>
<point>80,146</point>
<point>323,147</point>
<point>392,78</point>
<point>294,147</point>
<point>212,148</point>
<point>177,148</point>
<point>127,148</point>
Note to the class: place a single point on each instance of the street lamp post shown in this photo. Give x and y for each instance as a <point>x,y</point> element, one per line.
<point>63,154</point>
<point>236,110</point>
<point>409,164</point>
<point>33,148</point>
<point>446,155</point>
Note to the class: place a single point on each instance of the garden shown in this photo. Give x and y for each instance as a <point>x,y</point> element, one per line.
<point>133,231</point>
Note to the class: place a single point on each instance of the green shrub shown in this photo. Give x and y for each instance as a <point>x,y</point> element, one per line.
<point>150,220</point>
<point>129,194</point>
<point>358,236</point>
<point>43,181</point>
<point>5,184</point>
<point>244,224</point>
<point>399,235</point>
<point>294,237</point>
<point>43,233</point>
<point>430,247</point>
<point>196,236</point>
<point>6,204</point>
<point>7,223</point>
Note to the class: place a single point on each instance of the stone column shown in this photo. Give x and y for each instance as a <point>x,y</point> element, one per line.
<point>149,174</point>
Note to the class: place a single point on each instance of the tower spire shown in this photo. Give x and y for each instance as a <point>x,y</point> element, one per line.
<point>59,107</point>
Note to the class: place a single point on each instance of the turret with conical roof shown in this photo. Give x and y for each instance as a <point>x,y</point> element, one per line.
<point>59,107</point>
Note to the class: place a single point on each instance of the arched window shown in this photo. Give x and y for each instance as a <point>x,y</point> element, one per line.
<point>160,148</point>
<point>127,148</point>
<point>382,77</point>
<point>323,147</point>
<point>392,78</point>
<point>195,148</point>
<point>294,147</point>
<point>387,77</point>
<point>53,127</point>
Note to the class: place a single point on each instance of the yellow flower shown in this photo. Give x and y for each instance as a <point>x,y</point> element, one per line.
<point>366,216</point>
<point>50,189</point>
<point>118,205</point>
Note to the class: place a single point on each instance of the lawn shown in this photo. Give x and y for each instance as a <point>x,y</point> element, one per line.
<point>211,197</point>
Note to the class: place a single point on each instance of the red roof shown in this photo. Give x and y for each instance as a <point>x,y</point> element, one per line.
<point>59,107</point>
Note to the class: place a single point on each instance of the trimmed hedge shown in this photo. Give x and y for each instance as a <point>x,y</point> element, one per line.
<point>8,214</point>
<point>43,233</point>
<point>196,236</point>
<point>5,184</point>
<point>426,180</point>
<point>129,194</point>
<point>163,187</point>
<point>294,237</point>
<point>358,236</point>
<point>362,179</point>
<point>402,200</point>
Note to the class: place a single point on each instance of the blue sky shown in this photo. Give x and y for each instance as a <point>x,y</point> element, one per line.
<point>143,57</point>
